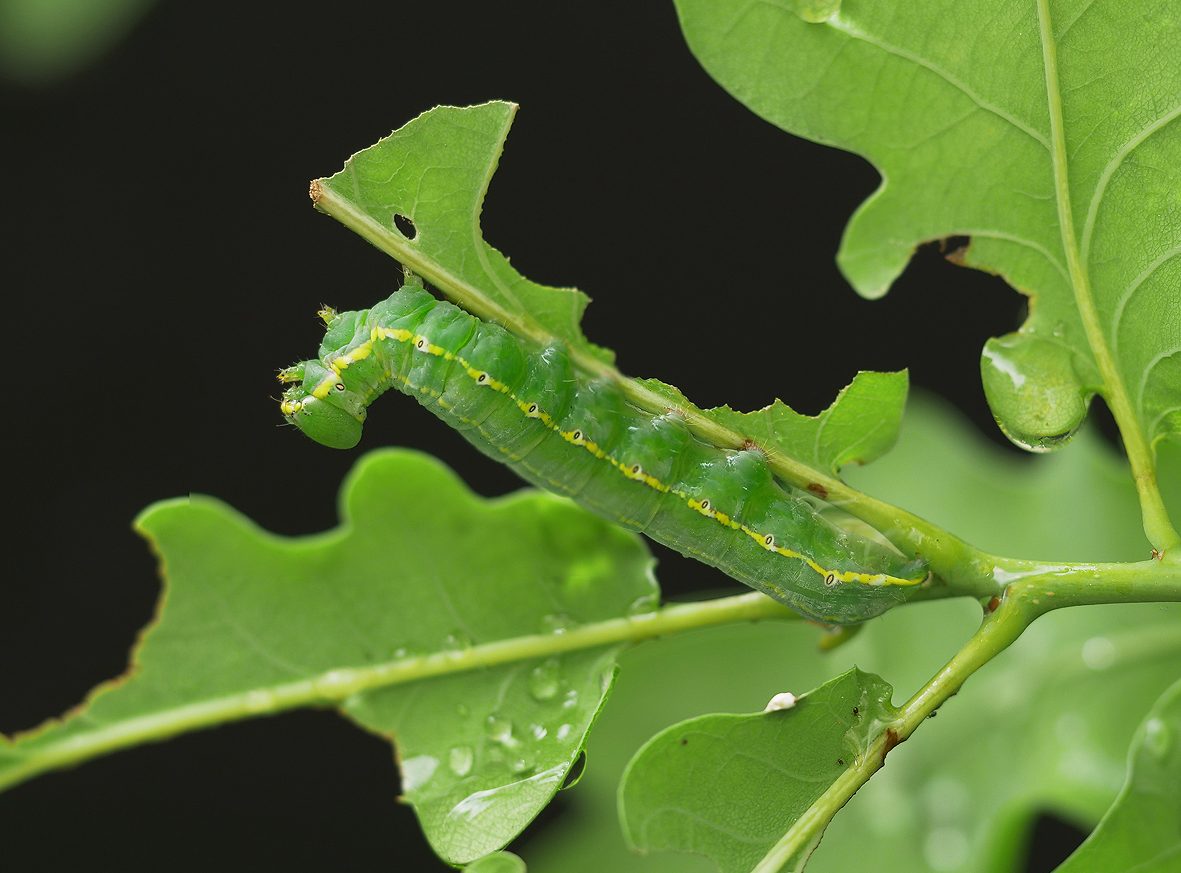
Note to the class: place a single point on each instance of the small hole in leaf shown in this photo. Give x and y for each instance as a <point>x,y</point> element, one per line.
<point>575,772</point>
<point>405,225</point>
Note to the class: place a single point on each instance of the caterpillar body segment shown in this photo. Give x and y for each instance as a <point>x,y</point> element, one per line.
<point>529,407</point>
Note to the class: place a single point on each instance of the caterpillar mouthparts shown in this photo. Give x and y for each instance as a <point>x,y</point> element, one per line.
<point>334,417</point>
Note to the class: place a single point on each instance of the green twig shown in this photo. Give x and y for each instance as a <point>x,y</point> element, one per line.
<point>1025,599</point>
<point>334,686</point>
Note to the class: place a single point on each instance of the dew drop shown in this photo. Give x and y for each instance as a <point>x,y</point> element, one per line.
<point>457,640</point>
<point>574,774</point>
<point>643,605</point>
<point>417,771</point>
<point>400,653</point>
<point>545,680</point>
<point>460,760</point>
<point>556,623</point>
<point>500,731</point>
<point>538,731</point>
<point>1157,738</point>
<point>564,732</point>
<point>816,11</point>
<point>570,700</point>
<point>520,765</point>
<point>1035,394</point>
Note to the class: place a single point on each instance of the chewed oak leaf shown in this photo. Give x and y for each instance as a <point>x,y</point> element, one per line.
<point>861,424</point>
<point>435,171</point>
<point>253,623</point>
<point>1046,132</point>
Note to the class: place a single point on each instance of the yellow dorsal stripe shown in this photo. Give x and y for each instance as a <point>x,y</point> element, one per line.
<point>577,437</point>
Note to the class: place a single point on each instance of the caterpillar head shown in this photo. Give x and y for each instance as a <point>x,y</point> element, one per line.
<point>324,408</point>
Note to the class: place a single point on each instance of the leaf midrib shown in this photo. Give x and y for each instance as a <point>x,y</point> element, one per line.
<point>480,304</point>
<point>1156,522</point>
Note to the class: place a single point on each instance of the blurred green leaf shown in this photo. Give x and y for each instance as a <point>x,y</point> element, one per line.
<point>252,623</point>
<point>1044,131</point>
<point>1142,830</point>
<point>724,786</point>
<point>42,40</point>
<point>1035,730</point>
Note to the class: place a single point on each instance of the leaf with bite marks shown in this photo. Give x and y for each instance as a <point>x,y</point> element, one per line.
<point>1047,132</point>
<point>408,618</point>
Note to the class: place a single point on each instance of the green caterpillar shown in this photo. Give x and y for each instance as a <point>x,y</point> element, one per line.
<point>527,406</point>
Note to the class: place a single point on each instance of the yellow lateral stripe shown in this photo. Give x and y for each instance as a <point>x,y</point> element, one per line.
<point>532,410</point>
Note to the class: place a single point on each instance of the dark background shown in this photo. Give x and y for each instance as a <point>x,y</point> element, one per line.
<point>162,260</point>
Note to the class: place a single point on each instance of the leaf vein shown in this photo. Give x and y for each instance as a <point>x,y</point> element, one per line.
<point>1126,296</point>
<point>1114,164</point>
<point>854,32</point>
<point>1149,367</point>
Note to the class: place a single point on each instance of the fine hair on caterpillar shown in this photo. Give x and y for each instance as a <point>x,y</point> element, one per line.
<point>526,405</point>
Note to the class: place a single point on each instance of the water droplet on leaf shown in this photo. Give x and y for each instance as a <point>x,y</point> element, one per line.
<point>500,731</point>
<point>643,605</point>
<point>1036,396</point>
<point>545,680</point>
<point>816,11</point>
<point>1157,738</point>
<point>460,760</point>
<point>457,640</point>
<point>417,771</point>
<point>520,765</point>
<point>556,623</point>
